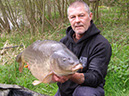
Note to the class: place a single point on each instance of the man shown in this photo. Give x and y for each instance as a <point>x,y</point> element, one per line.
<point>93,51</point>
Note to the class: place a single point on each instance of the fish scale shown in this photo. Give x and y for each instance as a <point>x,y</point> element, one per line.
<point>46,58</point>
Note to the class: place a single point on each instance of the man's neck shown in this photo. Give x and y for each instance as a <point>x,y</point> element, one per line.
<point>77,37</point>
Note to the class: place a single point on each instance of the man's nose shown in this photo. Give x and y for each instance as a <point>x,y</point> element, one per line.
<point>77,19</point>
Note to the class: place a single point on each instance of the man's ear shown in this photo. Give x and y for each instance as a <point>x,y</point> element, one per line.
<point>91,15</point>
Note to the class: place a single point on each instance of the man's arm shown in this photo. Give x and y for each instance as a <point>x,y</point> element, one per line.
<point>60,79</point>
<point>76,77</point>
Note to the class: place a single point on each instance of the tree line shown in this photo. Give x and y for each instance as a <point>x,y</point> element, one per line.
<point>16,14</point>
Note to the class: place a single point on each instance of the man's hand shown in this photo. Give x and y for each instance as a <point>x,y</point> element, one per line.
<point>60,79</point>
<point>76,77</point>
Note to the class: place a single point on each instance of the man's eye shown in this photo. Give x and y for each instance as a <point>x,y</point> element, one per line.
<point>81,15</point>
<point>72,17</point>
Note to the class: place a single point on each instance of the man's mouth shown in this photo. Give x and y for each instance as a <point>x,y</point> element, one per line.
<point>79,26</point>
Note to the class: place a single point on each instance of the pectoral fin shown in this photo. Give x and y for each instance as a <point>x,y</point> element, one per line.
<point>48,78</point>
<point>36,82</point>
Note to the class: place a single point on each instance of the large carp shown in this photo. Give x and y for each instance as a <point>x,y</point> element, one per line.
<point>47,57</point>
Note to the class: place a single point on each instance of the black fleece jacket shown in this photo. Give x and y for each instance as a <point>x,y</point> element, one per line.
<point>94,52</point>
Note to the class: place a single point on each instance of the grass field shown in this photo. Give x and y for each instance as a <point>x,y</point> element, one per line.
<point>113,26</point>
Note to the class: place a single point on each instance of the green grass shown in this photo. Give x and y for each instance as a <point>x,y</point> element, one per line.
<point>113,26</point>
<point>116,30</point>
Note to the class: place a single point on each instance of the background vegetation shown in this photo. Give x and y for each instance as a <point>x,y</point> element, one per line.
<point>24,21</point>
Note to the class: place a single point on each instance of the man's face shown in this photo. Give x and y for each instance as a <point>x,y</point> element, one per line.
<point>79,19</point>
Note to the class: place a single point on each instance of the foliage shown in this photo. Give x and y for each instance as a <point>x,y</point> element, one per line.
<point>34,14</point>
<point>114,27</point>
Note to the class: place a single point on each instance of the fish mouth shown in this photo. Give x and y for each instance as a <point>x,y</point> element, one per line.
<point>77,67</point>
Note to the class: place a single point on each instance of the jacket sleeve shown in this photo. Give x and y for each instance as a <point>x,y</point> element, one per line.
<point>98,61</point>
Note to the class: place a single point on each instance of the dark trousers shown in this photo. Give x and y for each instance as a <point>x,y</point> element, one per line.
<point>86,91</point>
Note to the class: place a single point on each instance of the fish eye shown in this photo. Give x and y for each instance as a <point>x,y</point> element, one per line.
<point>64,59</point>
